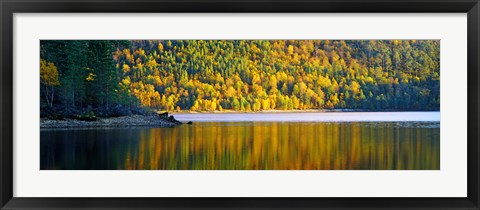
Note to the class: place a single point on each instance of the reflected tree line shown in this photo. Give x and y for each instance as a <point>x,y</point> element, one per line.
<point>251,146</point>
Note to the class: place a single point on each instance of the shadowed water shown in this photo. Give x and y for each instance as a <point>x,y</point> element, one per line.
<point>247,146</point>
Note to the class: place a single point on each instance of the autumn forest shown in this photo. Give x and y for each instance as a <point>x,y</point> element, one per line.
<point>114,78</point>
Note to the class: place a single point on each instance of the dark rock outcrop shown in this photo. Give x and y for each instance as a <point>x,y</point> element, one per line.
<point>163,114</point>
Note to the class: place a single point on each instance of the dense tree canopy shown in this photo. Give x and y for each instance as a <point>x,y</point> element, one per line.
<point>241,75</point>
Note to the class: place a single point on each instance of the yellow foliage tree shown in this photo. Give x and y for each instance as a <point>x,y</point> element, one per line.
<point>48,79</point>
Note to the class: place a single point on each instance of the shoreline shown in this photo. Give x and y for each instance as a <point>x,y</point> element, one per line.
<point>163,120</point>
<point>111,122</point>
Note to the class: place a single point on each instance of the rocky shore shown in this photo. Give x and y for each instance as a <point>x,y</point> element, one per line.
<point>161,120</point>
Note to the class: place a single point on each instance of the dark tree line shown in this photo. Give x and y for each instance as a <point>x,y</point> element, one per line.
<point>85,76</point>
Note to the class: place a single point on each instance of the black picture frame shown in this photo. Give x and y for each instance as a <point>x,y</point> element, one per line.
<point>9,7</point>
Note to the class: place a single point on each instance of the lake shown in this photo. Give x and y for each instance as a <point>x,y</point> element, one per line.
<point>259,141</point>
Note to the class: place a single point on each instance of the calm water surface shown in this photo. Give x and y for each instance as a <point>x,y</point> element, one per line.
<point>251,145</point>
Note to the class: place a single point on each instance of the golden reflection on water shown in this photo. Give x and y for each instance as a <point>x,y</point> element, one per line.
<point>247,146</point>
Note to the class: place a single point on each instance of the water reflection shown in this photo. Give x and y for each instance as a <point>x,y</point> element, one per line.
<point>246,145</point>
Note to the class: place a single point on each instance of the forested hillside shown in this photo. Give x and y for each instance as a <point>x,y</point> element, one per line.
<point>239,75</point>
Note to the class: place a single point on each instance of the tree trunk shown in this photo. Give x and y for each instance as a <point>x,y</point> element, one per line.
<point>107,104</point>
<point>53,93</point>
<point>47,97</point>
<point>73,98</point>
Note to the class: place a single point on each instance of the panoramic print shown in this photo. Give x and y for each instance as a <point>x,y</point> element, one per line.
<point>239,104</point>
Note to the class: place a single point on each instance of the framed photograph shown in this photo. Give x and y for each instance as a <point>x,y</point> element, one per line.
<point>239,105</point>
